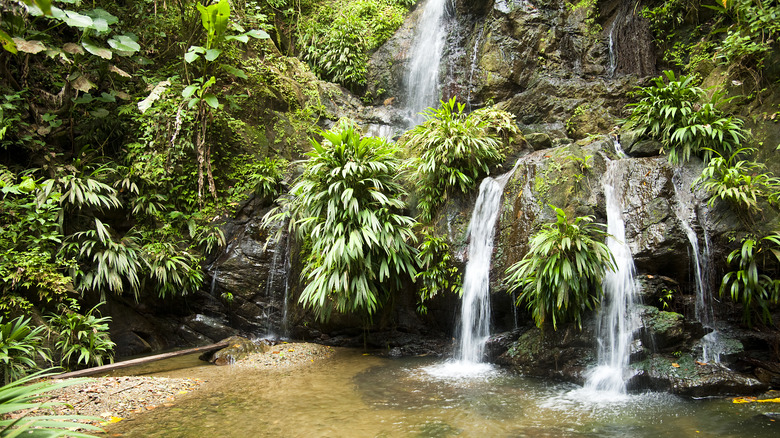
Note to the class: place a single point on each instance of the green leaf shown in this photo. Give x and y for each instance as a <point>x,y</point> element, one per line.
<point>73,18</point>
<point>188,91</point>
<point>259,34</point>
<point>9,45</point>
<point>96,50</point>
<point>100,112</point>
<point>235,71</point>
<point>124,44</point>
<point>242,38</point>
<point>212,54</point>
<point>221,17</point>
<point>211,100</point>
<point>192,54</point>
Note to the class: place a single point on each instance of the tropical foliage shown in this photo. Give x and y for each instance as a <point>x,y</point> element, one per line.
<point>337,37</point>
<point>82,340</point>
<point>347,206</point>
<point>674,112</point>
<point>25,395</point>
<point>743,183</point>
<point>20,347</point>
<point>454,150</point>
<point>437,273</point>
<point>756,280</point>
<point>560,276</point>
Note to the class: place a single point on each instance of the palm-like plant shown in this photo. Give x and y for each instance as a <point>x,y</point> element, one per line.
<point>561,275</point>
<point>20,344</point>
<point>347,207</point>
<point>82,339</point>
<point>436,270</point>
<point>173,271</point>
<point>755,282</point>
<point>740,182</point>
<point>454,151</point>
<point>671,113</point>
<point>108,263</point>
<point>24,395</point>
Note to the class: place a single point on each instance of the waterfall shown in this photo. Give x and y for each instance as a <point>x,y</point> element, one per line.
<point>474,328</point>
<point>710,344</point>
<point>616,322</point>
<point>422,79</point>
<point>272,331</point>
<point>612,67</point>
<point>285,307</point>
<point>474,59</point>
<point>214,281</point>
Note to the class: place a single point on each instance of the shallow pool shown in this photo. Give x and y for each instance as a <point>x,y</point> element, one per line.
<point>354,395</point>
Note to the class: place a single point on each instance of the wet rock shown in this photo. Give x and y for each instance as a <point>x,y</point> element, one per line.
<point>238,349</point>
<point>212,328</point>
<point>656,290</point>
<point>685,376</point>
<point>664,331</point>
<point>499,343</point>
<point>563,354</point>
<point>394,343</point>
<point>645,148</point>
<point>538,140</point>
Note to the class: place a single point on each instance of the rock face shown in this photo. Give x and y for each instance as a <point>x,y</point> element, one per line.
<point>547,61</point>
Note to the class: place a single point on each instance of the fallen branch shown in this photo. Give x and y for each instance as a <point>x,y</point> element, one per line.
<point>139,361</point>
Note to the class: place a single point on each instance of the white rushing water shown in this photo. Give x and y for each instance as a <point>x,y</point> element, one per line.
<point>684,210</point>
<point>474,328</point>
<point>616,321</point>
<point>422,79</point>
<point>612,67</point>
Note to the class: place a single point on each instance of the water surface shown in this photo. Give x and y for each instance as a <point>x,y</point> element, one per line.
<point>352,395</point>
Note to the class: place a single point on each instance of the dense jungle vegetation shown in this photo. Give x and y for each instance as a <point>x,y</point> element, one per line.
<point>130,129</point>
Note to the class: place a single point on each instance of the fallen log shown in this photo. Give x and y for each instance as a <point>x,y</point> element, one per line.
<point>141,360</point>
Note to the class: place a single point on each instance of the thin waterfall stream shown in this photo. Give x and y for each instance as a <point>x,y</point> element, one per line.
<point>474,327</point>
<point>422,79</point>
<point>710,344</point>
<point>616,322</point>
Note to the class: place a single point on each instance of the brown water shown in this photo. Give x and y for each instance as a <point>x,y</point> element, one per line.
<point>352,395</point>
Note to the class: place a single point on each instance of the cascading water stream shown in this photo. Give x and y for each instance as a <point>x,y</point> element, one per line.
<point>285,306</point>
<point>612,67</point>
<point>474,60</point>
<point>474,327</point>
<point>422,79</point>
<point>616,321</point>
<point>280,257</point>
<point>710,343</point>
<point>475,313</point>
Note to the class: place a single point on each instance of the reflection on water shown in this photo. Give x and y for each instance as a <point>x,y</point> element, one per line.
<point>351,395</point>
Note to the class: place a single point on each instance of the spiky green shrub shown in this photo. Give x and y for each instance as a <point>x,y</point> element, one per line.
<point>498,122</point>
<point>436,271</point>
<point>453,150</point>
<point>741,182</point>
<point>756,281</point>
<point>108,262</point>
<point>26,395</point>
<point>337,37</point>
<point>20,345</point>
<point>560,276</point>
<point>347,207</point>
<point>82,340</point>
<point>672,112</point>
